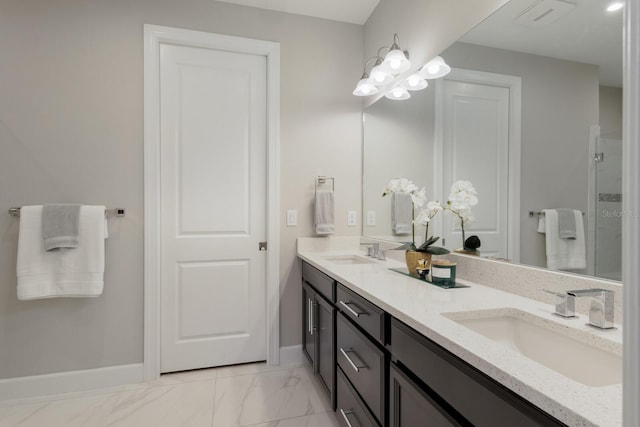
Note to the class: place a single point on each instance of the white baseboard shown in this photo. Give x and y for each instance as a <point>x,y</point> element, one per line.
<point>291,354</point>
<point>23,389</point>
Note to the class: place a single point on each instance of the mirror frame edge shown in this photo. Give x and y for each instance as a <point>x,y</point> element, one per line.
<point>631,221</point>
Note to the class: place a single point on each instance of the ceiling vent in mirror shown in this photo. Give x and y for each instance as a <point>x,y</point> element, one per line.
<point>544,12</point>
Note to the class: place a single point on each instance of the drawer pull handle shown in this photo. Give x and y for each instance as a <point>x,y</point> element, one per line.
<point>348,305</point>
<point>312,326</point>
<point>344,415</point>
<point>309,315</point>
<point>353,365</point>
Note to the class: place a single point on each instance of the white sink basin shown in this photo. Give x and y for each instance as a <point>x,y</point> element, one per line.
<point>348,259</point>
<point>579,355</point>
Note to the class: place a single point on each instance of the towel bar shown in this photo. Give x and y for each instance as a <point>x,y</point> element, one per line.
<point>323,180</point>
<point>533,213</point>
<point>119,212</point>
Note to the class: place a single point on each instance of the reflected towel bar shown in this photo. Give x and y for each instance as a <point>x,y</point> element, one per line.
<point>533,213</point>
<point>119,212</point>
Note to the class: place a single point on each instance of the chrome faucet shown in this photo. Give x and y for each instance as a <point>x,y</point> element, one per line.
<point>373,249</point>
<point>601,311</point>
<point>565,304</point>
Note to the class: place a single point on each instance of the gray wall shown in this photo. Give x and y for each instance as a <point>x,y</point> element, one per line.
<point>559,104</point>
<point>71,129</point>
<point>611,112</point>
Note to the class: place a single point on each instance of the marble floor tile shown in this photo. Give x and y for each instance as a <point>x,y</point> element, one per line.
<point>188,404</point>
<point>269,396</point>
<point>324,419</point>
<point>78,412</point>
<point>243,395</point>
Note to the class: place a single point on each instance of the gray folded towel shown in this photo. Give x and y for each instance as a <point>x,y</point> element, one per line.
<point>566,224</point>
<point>60,226</point>
<point>324,213</point>
<point>401,207</point>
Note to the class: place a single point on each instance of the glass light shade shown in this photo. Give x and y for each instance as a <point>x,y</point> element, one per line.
<point>395,62</point>
<point>615,6</point>
<point>415,82</point>
<point>435,68</point>
<point>365,88</point>
<point>379,77</point>
<point>398,94</point>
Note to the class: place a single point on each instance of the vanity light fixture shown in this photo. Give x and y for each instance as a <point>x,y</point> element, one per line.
<point>616,5</point>
<point>435,68</point>
<point>398,93</point>
<point>396,61</point>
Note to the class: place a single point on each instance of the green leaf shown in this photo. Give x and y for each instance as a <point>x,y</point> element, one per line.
<point>405,247</point>
<point>436,250</point>
<point>430,241</point>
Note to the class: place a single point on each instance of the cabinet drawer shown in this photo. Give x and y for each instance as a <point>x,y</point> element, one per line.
<point>351,411</point>
<point>320,281</point>
<point>477,397</point>
<point>364,365</point>
<point>361,312</point>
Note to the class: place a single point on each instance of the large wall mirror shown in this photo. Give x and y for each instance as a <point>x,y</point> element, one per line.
<point>532,115</point>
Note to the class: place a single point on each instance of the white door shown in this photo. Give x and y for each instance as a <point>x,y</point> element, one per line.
<point>475,136</point>
<point>213,207</point>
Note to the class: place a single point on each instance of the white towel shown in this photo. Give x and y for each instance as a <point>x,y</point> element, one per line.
<point>401,207</point>
<point>563,254</point>
<point>75,272</point>
<point>323,218</point>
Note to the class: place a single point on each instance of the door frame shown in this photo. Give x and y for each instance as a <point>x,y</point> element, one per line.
<point>514,84</point>
<point>154,36</point>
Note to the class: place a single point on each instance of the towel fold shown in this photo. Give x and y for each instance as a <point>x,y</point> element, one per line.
<point>566,224</point>
<point>60,226</point>
<point>75,272</point>
<point>324,213</point>
<point>401,206</point>
<point>563,254</point>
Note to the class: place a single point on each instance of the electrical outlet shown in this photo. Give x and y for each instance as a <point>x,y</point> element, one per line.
<point>351,219</point>
<point>292,218</point>
<point>371,218</point>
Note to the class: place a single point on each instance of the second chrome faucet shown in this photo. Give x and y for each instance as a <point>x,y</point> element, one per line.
<point>601,309</point>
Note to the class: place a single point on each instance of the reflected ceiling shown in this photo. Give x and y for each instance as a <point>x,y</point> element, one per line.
<point>598,40</point>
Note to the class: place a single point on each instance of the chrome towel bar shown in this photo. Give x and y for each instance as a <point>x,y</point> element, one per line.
<point>118,212</point>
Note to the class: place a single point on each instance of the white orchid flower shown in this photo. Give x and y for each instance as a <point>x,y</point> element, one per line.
<point>434,207</point>
<point>419,198</point>
<point>423,217</point>
<point>463,186</point>
<point>400,185</point>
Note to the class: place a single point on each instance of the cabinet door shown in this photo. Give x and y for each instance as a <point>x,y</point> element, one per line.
<point>308,339</point>
<point>324,334</point>
<point>411,406</point>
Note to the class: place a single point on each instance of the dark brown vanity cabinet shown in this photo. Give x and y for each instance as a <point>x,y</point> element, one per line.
<point>379,372</point>
<point>318,332</point>
<point>473,397</point>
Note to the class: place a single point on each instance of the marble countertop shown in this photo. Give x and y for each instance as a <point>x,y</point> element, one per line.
<point>425,308</point>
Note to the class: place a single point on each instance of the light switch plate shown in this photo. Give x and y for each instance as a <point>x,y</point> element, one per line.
<point>292,218</point>
<point>371,218</point>
<point>351,219</point>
